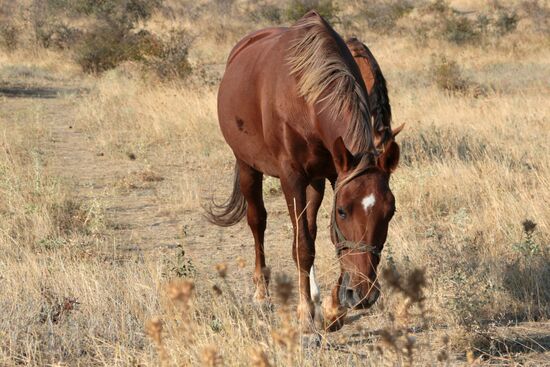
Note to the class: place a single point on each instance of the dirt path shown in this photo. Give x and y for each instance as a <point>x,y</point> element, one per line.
<point>134,216</point>
<point>133,199</point>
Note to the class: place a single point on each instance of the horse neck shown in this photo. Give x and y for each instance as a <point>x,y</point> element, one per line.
<point>330,130</point>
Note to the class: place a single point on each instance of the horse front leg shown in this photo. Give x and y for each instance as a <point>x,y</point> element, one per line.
<point>333,311</point>
<point>314,193</point>
<point>303,249</point>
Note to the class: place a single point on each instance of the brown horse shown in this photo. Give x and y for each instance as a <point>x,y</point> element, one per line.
<point>292,104</point>
<point>377,90</point>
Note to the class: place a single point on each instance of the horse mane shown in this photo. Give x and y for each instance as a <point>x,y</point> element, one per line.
<point>379,102</point>
<point>317,58</point>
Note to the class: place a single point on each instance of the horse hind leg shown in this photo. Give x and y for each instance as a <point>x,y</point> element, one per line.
<point>251,187</point>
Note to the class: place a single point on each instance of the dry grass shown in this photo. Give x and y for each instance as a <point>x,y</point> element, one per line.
<point>474,167</point>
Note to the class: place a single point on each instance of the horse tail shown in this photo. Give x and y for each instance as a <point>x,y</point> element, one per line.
<point>232,210</point>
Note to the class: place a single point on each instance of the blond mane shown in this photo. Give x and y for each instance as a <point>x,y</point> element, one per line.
<point>324,77</point>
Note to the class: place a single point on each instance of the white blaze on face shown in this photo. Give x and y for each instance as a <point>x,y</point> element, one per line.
<point>313,288</point>
<point>368,202</point>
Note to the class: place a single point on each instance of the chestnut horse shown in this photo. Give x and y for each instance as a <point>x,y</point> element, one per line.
<point>292,104</point>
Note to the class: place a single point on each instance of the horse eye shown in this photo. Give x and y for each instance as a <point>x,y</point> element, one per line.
<point>342,213</point>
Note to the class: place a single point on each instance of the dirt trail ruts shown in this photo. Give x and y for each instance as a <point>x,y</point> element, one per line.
<point>134,217</point>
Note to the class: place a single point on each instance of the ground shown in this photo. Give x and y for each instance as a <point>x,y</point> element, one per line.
<point>106,258</point>
<point>134,198</point>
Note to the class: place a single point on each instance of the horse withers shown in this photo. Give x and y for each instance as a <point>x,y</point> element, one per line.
<point>292,104</point>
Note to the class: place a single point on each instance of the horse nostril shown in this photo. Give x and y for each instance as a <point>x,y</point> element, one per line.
<point>350,294</point>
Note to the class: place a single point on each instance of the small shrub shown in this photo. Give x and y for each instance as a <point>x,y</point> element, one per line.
<point>382,16</point>
<point>9,36</point>
<point>104,48</point>
<point>298,8</point>
<point>461,30</point>
<point>141,9</point>
<point>438,6</point>
<point>113,40</point>
<point>57,35</point>
<point>72,217</point>
<point>126,11</point>
<point>526,276</point>
<point>447,75</point>
<point>271,13</point>
<point>539,13</point>
<point>506,22</point>
<point>440,20</point>
<point>169,59</point>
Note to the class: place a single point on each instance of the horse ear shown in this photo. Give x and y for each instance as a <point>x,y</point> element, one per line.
<point>389,159</point>
<point>397,130</point>
<point>341,156</point>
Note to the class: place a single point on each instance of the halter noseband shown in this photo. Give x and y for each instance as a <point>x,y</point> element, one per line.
<point>341,241</point>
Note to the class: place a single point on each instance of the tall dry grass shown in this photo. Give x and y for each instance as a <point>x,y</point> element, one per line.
<point>474,167</point>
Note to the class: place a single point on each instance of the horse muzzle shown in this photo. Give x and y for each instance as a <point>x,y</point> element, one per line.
<point>353,298</point>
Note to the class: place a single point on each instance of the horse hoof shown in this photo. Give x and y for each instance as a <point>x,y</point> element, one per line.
<point>333,315</point>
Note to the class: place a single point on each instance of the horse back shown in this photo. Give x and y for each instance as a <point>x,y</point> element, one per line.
<point>252,96</point>
<point>253,38</point>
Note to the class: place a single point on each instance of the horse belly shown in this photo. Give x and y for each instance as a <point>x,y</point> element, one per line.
<point>240,119</point>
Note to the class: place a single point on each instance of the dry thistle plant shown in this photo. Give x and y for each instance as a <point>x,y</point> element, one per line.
<point>286,335</point>
<point>397,337</point>
<point>283,288</point>
<point>258,358</point>
<point>411,289</point>
<point>443,355</point>
<point>217,290</point>
<point>180,292</point>
<point>153,328</point>
<point>221,268</point>
<point>210,357</point>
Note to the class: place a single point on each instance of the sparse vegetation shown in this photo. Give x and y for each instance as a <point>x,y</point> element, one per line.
<point>383,15</point>
<point>297,8</point>
<point>447,75</point>
<point>105,260</point>
<point>113,40</point>
<point>8,36</point>
<point>170,60</point>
